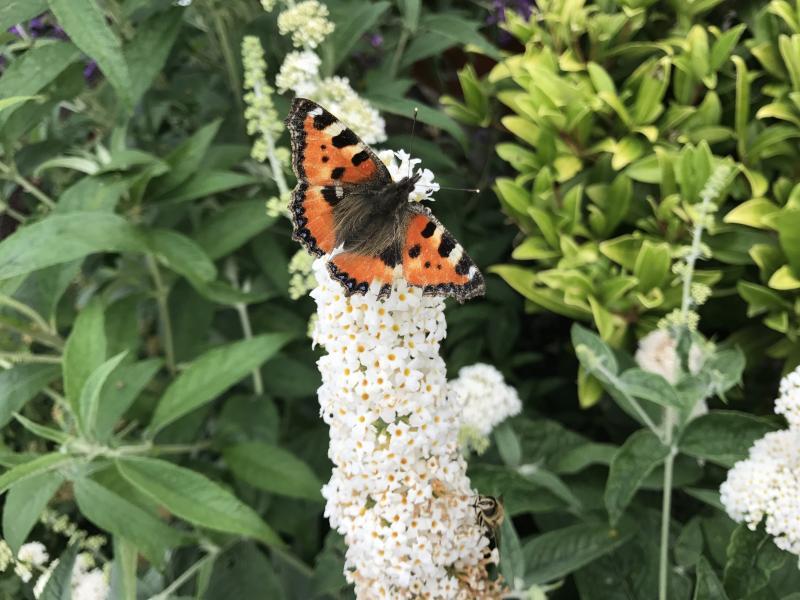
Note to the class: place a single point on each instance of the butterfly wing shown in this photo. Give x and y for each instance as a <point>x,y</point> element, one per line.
<point>357,272</point>
<point>328,160</point>
<point>436,262</point>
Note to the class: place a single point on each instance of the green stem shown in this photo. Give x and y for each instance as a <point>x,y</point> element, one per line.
<point>230,60</point>
<point>241,308</point>
<point>666,509</point>
<point>274,163</point>
<point>27,357</point>
<point>186,576</point>
<point>398,52</point>
<point>28,312</point>
<point>12,173</point>
<point>163,312</point>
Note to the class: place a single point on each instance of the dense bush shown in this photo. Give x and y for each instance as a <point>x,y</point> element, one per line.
<point>620,113</point>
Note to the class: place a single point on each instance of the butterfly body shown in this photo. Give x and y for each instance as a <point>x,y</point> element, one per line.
<point>347,205</point>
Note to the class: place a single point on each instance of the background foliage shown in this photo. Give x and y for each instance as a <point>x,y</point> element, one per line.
<point>158,385</point>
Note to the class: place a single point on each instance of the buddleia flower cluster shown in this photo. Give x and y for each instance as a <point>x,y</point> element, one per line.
<point>766,486</point>
<point>398,493</point>
<point>485,400</point>
<point>260,114</point>
<point>307,23</point>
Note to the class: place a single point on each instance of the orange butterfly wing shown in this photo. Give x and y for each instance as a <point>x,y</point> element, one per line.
<point>356,272</point>
<point>436,262</point>
<point>327,158</point>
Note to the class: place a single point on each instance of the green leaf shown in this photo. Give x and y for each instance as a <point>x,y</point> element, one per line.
<point>596,353</point>
<point>89,403</point>
<point>784,279</point>
<point>650,386</point>
<point>751,558</point>
<point>24,505</point>
<point>61,238</point>
<point>181,254</point>
<point>634,461</point>
<point>34,70</point>
<point>512,561</point>
<point>752,212</point>
<point>230,228</point>
<point>123,570</point>
<point>242,571</point>
<point>723,437</point>
<point>273,469</point>
<point>213,373</point>
<point>59,583</point>
<point>149,49</point>
<point>652,266</point>
<point>185,159</point>
<point>195,498</point>
<point>21,383</point>
<point>554,554</point>
<point>708,586</point>
<point>357,20</point>
<point>689,545</point>
<point>86,25</point>
<point>117,515</point>
<point>55,435</point>
<point>85,350</point>
<point>426,114</point>
<point>120,390</point>
<point>206,183</point>
<point>44,463</point>
<point>508,444</point>
<point>789,236</point>
<point>14,12</point>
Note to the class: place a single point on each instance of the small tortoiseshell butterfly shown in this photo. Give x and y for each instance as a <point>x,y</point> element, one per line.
<point>346,204</point>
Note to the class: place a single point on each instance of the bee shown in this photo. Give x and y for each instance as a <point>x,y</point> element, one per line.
<point>490,513</point>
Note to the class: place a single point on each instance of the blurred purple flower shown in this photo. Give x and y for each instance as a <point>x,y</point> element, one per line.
<point>15,30</point>
<point>376,40</point>
<point>90,70</point>
<point>499,8</point>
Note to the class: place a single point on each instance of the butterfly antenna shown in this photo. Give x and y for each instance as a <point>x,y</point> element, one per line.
<point>452,189</point>
<point>411,145</point>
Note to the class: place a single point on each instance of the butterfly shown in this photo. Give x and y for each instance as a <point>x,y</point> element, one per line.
<point>346,205</point>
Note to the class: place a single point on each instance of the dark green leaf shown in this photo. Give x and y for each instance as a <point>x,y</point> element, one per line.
<point>243,572</point>
<point>14,12</point>
<point>634,461</point>
<point>273,469</point>
<point>357,19</point>
<point>44,463</point>
<point>86,25</point>
<point>181,254</point>
<point>61,238</point>
<point>185,160</point>
<point>427,115</point>
<point>35,69</point>
<point>751,558</point>
<point>554,554</point>
<point>59,583</point>
<point>117,515</point>
<point>723,437</point>
<point>708,586</point>
<point>149,49</point>
<point>195,498</point>
<point>85,350</point>
<point>89,402</point>
<point>213,373</point>
<point>21,383</point>
<point>120,390</point>
<point>24,504</point>
<point>227,230</point>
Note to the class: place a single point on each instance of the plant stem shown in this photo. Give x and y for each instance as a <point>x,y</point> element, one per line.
<point>398,53</point>
<point>163,312</point>
<point>230,60</point>
<point>185,576</point>
<point>666,509</point>
<point>241,308</point>
<point>274,163</point>
<point>13,174</point>
<point>27,357</point>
